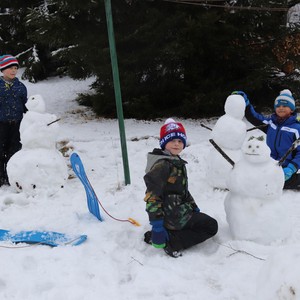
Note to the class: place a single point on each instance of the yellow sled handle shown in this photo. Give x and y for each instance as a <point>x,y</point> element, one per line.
<point>134,222</point>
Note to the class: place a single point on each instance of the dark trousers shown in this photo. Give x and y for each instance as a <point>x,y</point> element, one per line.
<point>9,145</point>
<point>198,229</point>
<point>293,183</point>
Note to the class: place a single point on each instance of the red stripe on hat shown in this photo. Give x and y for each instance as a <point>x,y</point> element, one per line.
<point>7,60</point>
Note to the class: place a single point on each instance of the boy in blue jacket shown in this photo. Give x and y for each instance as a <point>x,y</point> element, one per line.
<point>176,220</point>
<point>13,96</point>
<point>282,129</point>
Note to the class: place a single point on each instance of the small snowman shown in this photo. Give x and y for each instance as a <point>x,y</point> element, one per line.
<point>36,121</point>
<point>278,278</point>
<point>229,134</point>
<point>253,207</point>
<point>38,167</point>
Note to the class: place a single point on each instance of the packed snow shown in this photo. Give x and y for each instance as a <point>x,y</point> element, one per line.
<point>114,262</point>
<point>229,133</point>
<point>253,204</point>
<point>48,169</point>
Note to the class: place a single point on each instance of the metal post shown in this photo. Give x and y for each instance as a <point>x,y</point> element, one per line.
<point>115,71</point>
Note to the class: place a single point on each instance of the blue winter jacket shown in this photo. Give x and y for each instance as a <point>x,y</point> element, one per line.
<point>13,97</point>
<point>280,135</point>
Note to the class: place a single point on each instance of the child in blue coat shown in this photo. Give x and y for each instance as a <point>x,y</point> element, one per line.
<point>282,129</point>
<point>13,96</point>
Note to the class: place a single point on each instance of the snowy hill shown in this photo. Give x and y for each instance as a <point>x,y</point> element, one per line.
<point>114,263</point>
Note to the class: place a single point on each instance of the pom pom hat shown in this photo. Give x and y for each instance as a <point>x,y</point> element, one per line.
<point>7,61</point>
<point>172,130</point>
<point>285,99</point>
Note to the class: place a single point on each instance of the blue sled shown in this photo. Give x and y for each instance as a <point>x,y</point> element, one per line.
<point>92,199</point>
<point>49,238</point>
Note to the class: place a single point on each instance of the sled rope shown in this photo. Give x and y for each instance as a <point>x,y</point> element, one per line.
<point>92,198</point>
<point>130,220</point>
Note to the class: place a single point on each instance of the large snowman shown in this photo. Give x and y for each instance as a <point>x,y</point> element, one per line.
<point>38,167</point>
<point>253,206</point>
<point>229,134</point>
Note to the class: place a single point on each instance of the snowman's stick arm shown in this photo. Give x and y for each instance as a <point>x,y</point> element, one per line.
<point>287,153</point>
<point>222,152</point>
<point>257,127</point>
<point>250,129</point>
<point>53,122</point>
<point>205,126</point>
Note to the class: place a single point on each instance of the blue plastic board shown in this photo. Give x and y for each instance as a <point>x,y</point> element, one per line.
<point>49,238</point>
<point>92,200</point>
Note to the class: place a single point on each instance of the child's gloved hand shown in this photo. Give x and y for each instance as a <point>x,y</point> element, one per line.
<point>289,171</point>
<point>159,234</point>
<point>247,101</point>
<point>196,209</point>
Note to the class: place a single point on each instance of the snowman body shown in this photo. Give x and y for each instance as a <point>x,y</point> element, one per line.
<point>229,134</point>
<point>37,171</point>
<point>38,167</point>
<point>39,124</point>
<point>253,206</point>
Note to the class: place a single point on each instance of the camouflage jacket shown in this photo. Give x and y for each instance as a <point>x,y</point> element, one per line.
<point>167,196</point>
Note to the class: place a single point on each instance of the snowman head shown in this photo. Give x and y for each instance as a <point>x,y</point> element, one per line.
<point>235,106</point>
<point>36,103</point>
<point>255,150</point>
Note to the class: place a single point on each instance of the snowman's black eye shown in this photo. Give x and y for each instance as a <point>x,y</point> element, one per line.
<point>257,146</point>
<point>249,146</point>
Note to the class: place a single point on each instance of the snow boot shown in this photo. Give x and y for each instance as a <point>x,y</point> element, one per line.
<point>148,238</point>
<point>171,252</point>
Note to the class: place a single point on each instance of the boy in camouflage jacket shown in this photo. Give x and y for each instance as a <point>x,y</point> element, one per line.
<point>176,220</point>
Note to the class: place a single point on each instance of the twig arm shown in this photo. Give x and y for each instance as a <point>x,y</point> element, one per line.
<point>222,152</point>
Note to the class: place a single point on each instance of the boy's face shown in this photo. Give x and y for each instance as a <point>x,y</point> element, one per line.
<point>10,73</point>
<point>283,111</point>
<point>175,146</point>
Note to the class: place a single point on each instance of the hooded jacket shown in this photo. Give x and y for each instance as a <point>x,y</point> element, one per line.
<point>167,194</point>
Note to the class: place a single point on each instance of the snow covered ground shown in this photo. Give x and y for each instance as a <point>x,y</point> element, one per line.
<point>114,262</point>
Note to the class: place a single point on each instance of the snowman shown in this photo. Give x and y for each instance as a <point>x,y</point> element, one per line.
<point>253,207</point>
<point>38,167</point>
<point>229,134</point>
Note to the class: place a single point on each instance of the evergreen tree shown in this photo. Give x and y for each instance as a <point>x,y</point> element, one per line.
<point>66,34</point>
<point>174,59</point>
<point>13,37</point>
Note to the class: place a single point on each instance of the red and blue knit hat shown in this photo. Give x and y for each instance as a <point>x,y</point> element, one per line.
<point>7,61</point>
<point>285,99</point>
<point>171,130</point>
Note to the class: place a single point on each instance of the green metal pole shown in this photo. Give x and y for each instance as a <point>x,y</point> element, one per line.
<point>115,71</point>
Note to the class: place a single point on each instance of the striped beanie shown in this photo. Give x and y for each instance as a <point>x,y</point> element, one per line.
<point>7,61</point>
<point>285,98</point>
<point>171,130</point>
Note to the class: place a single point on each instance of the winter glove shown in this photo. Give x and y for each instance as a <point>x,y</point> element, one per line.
<point>242,94</point>
<point>289,171</point>
<point>195,207</point>
<point>159,234</point>
<point>196,210</point>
